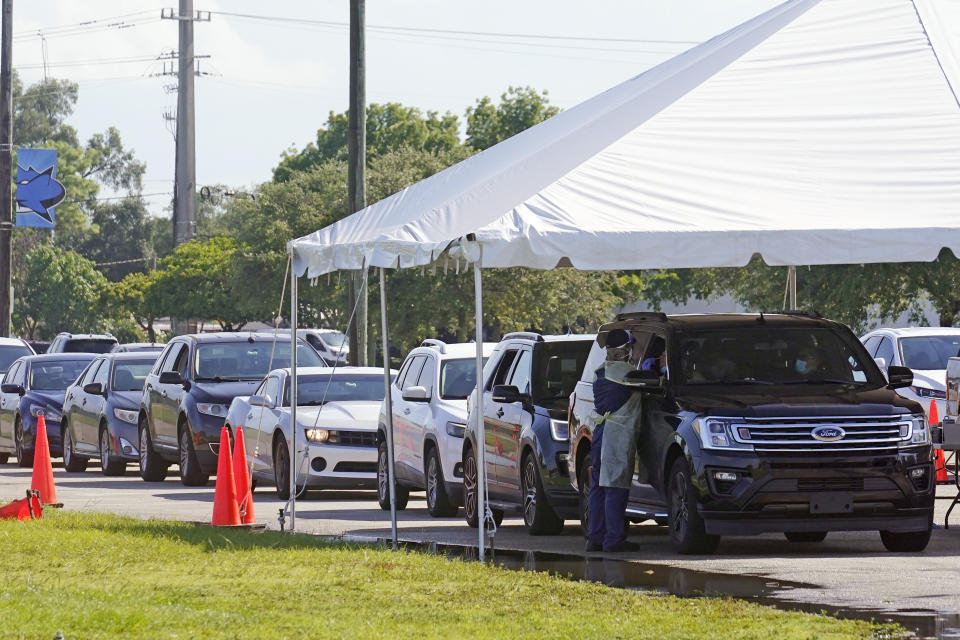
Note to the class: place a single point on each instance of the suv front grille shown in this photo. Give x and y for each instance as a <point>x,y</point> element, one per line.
<point>863,435</point>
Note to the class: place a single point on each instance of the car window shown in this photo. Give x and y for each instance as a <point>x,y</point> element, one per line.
<point>130,375</point>
<point>103,374</point>
<point>180,364</point>
<point>88,374</point>
<point>403,372</point>
<point>20,376</point>
<point>169,362</point>
<point>89,345</point>
<point>503,368</point>
<point>9,355</point>
<point>428,375</point>
<point>315,390</point>
<point>521,372</point>
<point>12,372</point>
<point>413,373</point>
<point>271,389</point>
<point>249,360</point>
<point>55,375</point>
<point>929,352</point>
<point>557,367</point>
<point>458,378</point>
<point>885,350</point>
<point>870,344</point>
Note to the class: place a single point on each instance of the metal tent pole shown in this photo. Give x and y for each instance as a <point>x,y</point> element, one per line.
<point>293,397</point>
<point>792,279</point>
<point>478,424</point>
<point>391,478</point>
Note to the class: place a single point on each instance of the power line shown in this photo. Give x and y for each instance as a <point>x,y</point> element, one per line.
<point>89,26</point>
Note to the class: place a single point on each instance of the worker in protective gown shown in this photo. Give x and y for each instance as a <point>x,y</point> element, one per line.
<point>613,453</point>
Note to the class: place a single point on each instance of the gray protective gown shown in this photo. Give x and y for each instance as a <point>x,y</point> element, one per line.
<point>618,451</point>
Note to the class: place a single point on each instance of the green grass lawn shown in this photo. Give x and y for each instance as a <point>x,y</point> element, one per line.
<point>103,576</point>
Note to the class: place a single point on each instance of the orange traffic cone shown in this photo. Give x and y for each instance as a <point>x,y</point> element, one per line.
<point>24,508</point>
<point>42,480</point>
<point>225,510</point>
<point>241,476</point>
<point>933,417</point>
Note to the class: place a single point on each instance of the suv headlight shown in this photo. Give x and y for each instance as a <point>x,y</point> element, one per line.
<point>560,430</point>
<point>714,433</point>
<point>926,392</point>
<point>918,432</point>
<point>210,409</point>
<point>126,415</point>
<point>49,413</point>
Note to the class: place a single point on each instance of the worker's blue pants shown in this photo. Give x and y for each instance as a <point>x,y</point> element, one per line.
<point>606,506</point>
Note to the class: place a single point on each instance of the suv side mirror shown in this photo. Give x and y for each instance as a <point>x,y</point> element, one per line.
<point>416,394</point>
<point>508,394</point>
<point>257,401</point>
<point>95,388</point>
<point>899,377</point>
<point>643,378</point>
<point>9,387</point>
<point>171,377</point>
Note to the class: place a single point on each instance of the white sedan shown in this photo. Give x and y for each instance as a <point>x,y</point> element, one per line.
<point>337,411</point>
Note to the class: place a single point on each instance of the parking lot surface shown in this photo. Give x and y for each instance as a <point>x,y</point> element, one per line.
<point>849,570</point>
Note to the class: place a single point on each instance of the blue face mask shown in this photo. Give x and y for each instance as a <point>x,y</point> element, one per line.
<point>800,366</point>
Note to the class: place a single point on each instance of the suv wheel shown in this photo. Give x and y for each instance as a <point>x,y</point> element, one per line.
<point>152,467</point>
<point>470,488</point>
<point>402,494</point>
<point>24,457</point>
<point>438,503</point>
<point>71,462</point>
<point>687,531</point>
<point>584,483</point>
<point>538,516</point>
<point>907,542</point>
<point>805,536</point>
<point>109,465</point>
<point>191,475</point>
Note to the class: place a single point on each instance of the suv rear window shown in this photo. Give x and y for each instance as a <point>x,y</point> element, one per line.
<point>89,346</point>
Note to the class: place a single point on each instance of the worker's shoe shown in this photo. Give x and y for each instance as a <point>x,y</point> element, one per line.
<point>624,547</point>
<point>593,547</point>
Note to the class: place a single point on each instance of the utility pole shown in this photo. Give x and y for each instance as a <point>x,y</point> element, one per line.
<point>356,171</point>
<point>6,165</point>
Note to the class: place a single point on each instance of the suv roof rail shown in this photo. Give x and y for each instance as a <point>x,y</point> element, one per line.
<point>440,345</point>
<point>525,335</point>
<point>806,313</point>
<point>659,316</point>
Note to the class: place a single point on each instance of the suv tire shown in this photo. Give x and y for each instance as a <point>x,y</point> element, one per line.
<point>401,494</point>
<point>71,461</point>
<point>438,503</point>
<point>191,475</point>
<point>538,516</point>
<point>24,457</point>
<point>152,467</point>
<point>805,536</point>
<point>687,530</point>
<point>109,465</point>
<point>470,492</point>
<point>906,542</point>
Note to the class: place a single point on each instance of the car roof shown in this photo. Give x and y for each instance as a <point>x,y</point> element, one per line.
<point>132,355</point>
<point>717,320</point>
<point>455,350</point>
<point>308,371</point>
<point>916,331</point>
<point>87,336</point>
<point>234,336</point>
<point>48,357</point>
<point>12,342</point>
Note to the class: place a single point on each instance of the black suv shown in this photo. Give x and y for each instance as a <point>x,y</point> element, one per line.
<point>527,383</point>
<point>187,393</point>
<point>775,422</point>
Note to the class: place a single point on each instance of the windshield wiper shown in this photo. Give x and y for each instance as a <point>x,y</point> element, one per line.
<point>853,383</point>
<point>218,379</point>
<point>738,381</point>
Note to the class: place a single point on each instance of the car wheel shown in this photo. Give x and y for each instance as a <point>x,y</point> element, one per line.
<point>24,457</point>
<point>191,475</point>
<point>907,542</point>
<point>71,461</point>
<point>152,467</point>
<point>805,536</point>
<point>584,482</point>
<point>109,465</point>
<point>538,516</point>
<point>470,496</point>
<point>687,530</point>
<point>401,493</point>
<point>438,503</point>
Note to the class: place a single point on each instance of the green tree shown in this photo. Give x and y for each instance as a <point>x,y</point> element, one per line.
<point>520,108</point>
<point>137,298</point>
<point>58,291</point>
<point>120,233</point>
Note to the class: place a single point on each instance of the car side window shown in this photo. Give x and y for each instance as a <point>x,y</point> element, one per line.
<point>413,373</point>
<point>176,357</point>
<point>870,344</point>
<point>521,373</point>
<point>503,368</point>
<point>885,350</point>
<point>271,390</point>
<point>428,374</point>
<point>103,374</point>
<point>398,382</point>
<point>20,377</point>
<point>87,376</point>
<point>162,360</point>
<point>12,372</point>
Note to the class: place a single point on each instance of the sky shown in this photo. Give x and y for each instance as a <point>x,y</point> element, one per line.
<point>276,70</point>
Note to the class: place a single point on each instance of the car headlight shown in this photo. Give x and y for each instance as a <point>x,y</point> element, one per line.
<point>926,392</point>
<point>456,429</point>
<point>126,415</point>
<point>318,436</point>
<point>715,434</point>
<point>210,409</point>
<point>560,430</point>
<point>49,413</point>
<point>917,432</point>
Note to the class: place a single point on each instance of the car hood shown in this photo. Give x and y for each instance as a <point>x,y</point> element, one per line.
<point>222,392</point>
<point>51,398</point>
<point>758,403</point>
<point>359,415</point>
<point>126,399</point>
<point>932,378</point>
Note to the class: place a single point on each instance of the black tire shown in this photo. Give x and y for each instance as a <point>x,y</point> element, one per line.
<point>4,457</point>
<point>470,488</point>
<point>805,536</point>
<point>687,531</point>
<point>438,502</point>
<point>281,468</point>
<point>71,461</point>
<point>253,485</point>
<point>109,465</point>
<point>907,542</point>
<point>153,468</point>
<point>24,457</point>
<point>538,516</point>
<point>401,493</point>
<point>584,482</point>
<point>191,475</point>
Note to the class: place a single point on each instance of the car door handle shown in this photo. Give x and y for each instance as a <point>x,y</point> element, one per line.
<point>500,412</point>
<point>84,403</point>
<point>250,417</point>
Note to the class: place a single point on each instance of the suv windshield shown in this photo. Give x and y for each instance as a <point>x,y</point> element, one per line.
<point>335,339</point>
<point>89,346</point>
<point>247,360</point>
<point>929,352</point>
<point>458,378</point>
<point>773,355</point>
<point>320,389</point>
<point>10,353</point>
<point>55,376</point>
<point>129,375</point>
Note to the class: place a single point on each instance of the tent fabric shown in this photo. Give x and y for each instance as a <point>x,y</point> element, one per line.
<point>819,132</point>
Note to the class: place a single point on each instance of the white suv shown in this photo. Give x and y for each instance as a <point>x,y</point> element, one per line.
<point>429,421</point>
<point>924,350</point>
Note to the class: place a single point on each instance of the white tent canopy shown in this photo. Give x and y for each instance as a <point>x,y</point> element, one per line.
<point>820,132</point>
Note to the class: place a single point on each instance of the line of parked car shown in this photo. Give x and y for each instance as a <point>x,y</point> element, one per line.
<point>782,422</point>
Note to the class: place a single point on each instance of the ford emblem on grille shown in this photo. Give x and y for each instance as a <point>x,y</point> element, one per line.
<point>828,434</point>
